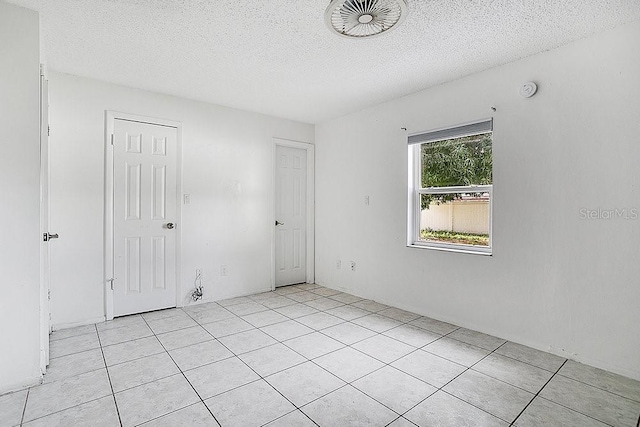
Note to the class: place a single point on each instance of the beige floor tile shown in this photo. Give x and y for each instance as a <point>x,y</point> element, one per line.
<point>412,335</point>
<point>272,359</point>
<point>323,304</point>
<point>399,315</point>
<point>597,403</point>
<point>383,348</point>
<point>429,368</point>
<point>130,332</point>
<point>192,416</point>
<point>131,350</point>
<point>74,364</point>
<point>348,407</point>
<point>252,405</point>
<point>296,310</point>
<point>394,388</point>
<point>141,371</point>
<point>219,377</point>
<point>265,318</point>
<point>434,325</point>
<point>152,400</point>
<point>244,342</point>
<point>72,332</point>
<point>377,323</point>
<point>292,419</point>
<point>348,364</point>
<point>348,333</point>
<point>319,321</point>
<point>478,339</point>
<point>444,410</point>
<point>304,383</point>
<point>12,406</point>
<point>542,412</point>
<point>200,354</point>
<point>493,396</point>
<point>71,345</point>
<point>227,327</point>
<point>604,380</point>
<point>313,345</point>
<point>286,330</point>
<point>456,351</point>
<point>514,372</point>
<point>96,413</point>
<point>529,355</point>
<point>184,337</point>
<point>169,324</point>
<point>56,396</point>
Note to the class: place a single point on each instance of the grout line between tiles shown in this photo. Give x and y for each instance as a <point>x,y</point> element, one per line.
<point>453,379</point>
<point>24,407</point>
<point>70,407</point>
<point>188,382</point>
<point>113,394</point>
<point>260,377</point>
<point>573,410</point>
<point>536,395</point>
<point>595,386</point>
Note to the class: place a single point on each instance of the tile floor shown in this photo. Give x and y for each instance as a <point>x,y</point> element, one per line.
<point>305,356</point>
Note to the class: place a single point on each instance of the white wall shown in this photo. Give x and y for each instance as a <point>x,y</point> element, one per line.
<point>19,197</point>
<point>227,156</point>
<point>555,282</point>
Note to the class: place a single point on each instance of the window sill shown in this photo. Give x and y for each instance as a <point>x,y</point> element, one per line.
<point>453,248</point>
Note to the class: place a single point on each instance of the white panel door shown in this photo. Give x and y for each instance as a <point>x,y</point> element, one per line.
<point>291,216</point>
<point>145,208</point>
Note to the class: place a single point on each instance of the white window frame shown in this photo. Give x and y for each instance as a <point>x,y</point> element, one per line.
<point>415,189</point>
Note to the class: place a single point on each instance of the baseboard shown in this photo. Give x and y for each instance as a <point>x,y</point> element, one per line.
<point>600,364</point>
<point>20,385</point>
<point>91,321</point>
<point>209,300</point>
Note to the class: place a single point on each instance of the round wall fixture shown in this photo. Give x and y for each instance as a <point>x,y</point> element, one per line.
<point>364,18</point>
<point>528,89</point>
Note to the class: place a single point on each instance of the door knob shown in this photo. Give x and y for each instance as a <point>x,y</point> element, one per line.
<point>279,223</point>
<point>46,236</point>
<point>171,225</point>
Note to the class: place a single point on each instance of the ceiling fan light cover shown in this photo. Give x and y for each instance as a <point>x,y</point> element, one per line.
<point>364,18</point>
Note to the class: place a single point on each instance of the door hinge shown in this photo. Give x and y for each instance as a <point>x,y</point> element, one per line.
<point>48,130</point>
<point>49,294</point>
<point>111,282</point>
<point>112,138</point>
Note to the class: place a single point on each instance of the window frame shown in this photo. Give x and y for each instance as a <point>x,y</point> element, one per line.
<point>415,189</point>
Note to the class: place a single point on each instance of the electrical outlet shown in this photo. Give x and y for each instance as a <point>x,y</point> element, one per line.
<point>187,199</point>
<point>353,266</point>
<point>338,265</point>
<point>223,270</point>
<point>366,200</point>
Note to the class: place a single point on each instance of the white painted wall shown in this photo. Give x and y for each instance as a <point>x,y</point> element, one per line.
<point>19,197</point>
<point>555,282</point>
<point>227,170</point>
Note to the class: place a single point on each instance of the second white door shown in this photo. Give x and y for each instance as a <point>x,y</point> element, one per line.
<point>291,216</point>
<point>145,209</point>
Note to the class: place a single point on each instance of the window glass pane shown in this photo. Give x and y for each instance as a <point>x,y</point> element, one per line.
<point>458,218</point>
<point>457,162</point>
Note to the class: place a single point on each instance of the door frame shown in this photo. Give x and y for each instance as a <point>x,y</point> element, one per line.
<point>310,230</point>
<point>45,214</point>
<point>110,118</point>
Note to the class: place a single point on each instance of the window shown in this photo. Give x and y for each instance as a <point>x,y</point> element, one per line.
<point>450,188</point>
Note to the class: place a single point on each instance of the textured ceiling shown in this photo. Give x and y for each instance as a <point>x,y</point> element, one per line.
<point>277,57</point>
